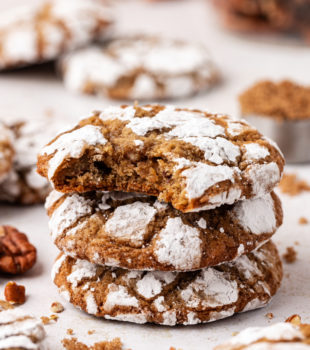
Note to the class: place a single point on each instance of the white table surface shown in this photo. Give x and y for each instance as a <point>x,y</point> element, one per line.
<point>242,60</point>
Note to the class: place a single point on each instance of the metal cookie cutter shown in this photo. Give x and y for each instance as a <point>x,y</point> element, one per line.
<point>293,137</point>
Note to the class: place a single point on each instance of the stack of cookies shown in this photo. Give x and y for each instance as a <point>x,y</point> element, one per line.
<point>164,215</point>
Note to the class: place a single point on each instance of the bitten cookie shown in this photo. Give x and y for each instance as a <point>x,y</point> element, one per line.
<point>20,331</point>
<point>190,158</point>
<point>139,232</point>
<point>6,151</point>
<point>279,336</point>
<point>171,298</point>
<point>33,34</point>
<point>140,67</point>
<point>23,185</point>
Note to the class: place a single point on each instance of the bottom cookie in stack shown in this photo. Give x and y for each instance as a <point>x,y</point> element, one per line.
<point>171,298</point>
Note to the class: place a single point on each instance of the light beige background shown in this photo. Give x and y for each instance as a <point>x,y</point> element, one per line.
<point>242,60</point>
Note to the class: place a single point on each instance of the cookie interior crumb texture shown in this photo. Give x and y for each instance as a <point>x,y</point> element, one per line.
<point>74,344</point>
<point>290,184</point>
<point>140,67</point>
<point>134,231</point>
<point>285,100</point>
<point>192,159</point>
<point>171,298</point>
<point>6,151</point>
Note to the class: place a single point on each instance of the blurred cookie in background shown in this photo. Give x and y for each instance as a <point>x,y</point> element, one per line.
<point>6,151</point>
<point>290,16</point>
<point>281,111</point>
<point>140,67</point>
<point>34,34</point>
<point>23,185</point>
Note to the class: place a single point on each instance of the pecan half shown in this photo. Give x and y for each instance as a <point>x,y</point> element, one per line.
<point>17,255</point>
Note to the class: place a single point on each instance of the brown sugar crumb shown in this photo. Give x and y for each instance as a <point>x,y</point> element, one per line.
<point>14,293</point>
<point>57,307</point>
<point>270,315</point>
<point>91,331</point>
<point>74,344</point>
<point>47,320</point>
<point>284,100</point>
<point>303,221</point>
<point>290,255</point>
<point>291,185</point>
<point>5,305</point>
<point>70,331</point>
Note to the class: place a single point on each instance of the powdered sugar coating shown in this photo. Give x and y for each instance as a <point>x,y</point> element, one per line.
<point>281,335</point>
<point>129,222</point>
<point>23,184</point>
<point>159,67</point>
<point>139,232</point>
<point>72,145</point>
<point>31,34</point>
<point>212,167</point>
<point>19,330</point>
<point>175,298</point>
<point>178,244</point>
<point>82,269</point>
<point>221,290</point>
<point>256,215</point>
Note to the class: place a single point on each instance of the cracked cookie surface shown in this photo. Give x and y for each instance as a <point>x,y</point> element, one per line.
<point>189,158</point>
<point>279,336</point>
<point>33,34</point>
<point>6,151</point>
<point>140,67</point>
<point>138,232</point>
<point>23,185</point>
<point>20,331</point>
<point>171,298</point>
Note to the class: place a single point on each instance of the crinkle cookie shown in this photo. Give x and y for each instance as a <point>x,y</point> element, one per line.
<point>190,158</point>
<point>23,185</point>
<point>139,232</point>
<point>279,336</point>
<point>6,151</point>
<point>171,298</point>
<point>140,67</point>
<point>32,34</point>
<point>20,331</point>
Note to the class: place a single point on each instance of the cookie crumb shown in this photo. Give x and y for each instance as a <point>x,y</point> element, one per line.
<point>291,185</point>
<point>14,293</point>
<point>294,319</point>
<point>303,221</point>
<point>270,315</point>
<point>5,305</point>
<point>290,255</point>
<point>91,331</point>
<point>70,331</point>
<point>57,307</point>
<point>74,344</point>
<point>47,320</point>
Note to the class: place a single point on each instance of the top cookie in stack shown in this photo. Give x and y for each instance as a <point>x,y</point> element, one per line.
<point>183,194</point>
<point>189,158</point>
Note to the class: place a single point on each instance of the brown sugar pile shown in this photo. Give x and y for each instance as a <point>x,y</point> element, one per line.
<point>285,100</point>
<point>74,344</point>
<point>290,255</point>
<point>290,184</point>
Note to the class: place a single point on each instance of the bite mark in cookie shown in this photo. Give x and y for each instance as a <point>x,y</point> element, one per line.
<point>188,157</point>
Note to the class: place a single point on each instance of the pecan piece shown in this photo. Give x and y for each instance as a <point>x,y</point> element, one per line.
<point>14,293</point>
<point>17,255</point>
